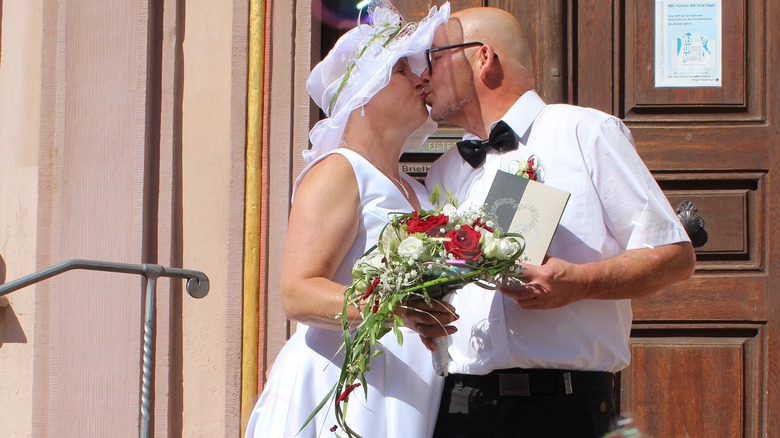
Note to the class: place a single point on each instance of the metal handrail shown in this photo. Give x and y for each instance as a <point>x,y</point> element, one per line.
<point>197,287</point>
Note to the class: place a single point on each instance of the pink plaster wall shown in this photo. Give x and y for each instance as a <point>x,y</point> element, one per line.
<point>108,175</point>
<point>91,206</point>
<point>19,117</point>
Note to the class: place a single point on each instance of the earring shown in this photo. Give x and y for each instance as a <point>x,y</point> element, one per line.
<point>362,110</point>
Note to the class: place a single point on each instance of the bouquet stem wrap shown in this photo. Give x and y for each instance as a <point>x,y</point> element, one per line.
<point>441,359</point>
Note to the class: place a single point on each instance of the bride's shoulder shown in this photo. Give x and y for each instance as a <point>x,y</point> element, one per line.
<point>330,174</point>
<point>320,168</point>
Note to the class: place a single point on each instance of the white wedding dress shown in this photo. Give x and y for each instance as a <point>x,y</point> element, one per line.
<point>403,390</point>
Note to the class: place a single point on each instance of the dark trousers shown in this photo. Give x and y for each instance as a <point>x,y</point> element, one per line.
<point>528,403</point>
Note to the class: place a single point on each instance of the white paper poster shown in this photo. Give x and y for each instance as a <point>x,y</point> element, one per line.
<point>688,43</point>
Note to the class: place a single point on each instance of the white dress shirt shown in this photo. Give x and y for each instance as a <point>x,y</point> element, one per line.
<point>615,205</point>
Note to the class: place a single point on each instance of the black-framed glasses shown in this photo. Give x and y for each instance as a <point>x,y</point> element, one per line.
<point>454,46</point>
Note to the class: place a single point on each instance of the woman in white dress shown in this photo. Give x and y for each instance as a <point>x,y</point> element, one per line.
<point>369,87</point>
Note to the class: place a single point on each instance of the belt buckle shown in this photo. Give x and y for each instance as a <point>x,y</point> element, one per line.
<point>513,385</point>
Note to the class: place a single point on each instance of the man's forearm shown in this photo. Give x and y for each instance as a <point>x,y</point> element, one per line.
<point>638,273</point>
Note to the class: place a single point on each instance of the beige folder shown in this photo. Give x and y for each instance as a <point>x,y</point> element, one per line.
<point>519,205</point>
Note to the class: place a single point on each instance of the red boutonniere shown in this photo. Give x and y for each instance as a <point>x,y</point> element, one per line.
<point>529,169</point>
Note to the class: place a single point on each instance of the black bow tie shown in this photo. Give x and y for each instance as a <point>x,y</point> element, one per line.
<point>501,138</point>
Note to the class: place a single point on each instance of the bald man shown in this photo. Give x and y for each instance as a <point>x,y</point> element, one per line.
<point>539,358</point>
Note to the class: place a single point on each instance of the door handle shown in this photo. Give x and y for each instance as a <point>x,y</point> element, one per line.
<point>693,223</point>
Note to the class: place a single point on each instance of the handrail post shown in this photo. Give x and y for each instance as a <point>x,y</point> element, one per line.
<point>151,272</point>
<point>197,287</point>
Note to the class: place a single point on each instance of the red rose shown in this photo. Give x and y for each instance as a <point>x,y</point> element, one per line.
<point>428,224</point>
<point>464,244</point>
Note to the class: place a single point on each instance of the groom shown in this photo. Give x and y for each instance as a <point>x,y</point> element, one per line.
<point>539,358</point>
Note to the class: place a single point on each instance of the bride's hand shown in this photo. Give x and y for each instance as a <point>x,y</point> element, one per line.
<point>428,320</point>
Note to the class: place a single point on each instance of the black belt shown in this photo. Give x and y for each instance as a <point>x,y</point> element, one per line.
<point>519,382</point>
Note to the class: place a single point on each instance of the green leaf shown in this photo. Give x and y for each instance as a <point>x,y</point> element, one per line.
<point>318,408</point>
<point>435,195</point>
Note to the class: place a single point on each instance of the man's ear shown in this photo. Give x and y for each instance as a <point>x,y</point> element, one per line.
<point>489,67</point>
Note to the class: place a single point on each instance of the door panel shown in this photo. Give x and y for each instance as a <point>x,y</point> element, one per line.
<point>694,380</point>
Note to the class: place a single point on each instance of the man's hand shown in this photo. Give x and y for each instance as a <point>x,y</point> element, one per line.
<point>635,273</point>
<point>429,321</point>
<point>544,287</point>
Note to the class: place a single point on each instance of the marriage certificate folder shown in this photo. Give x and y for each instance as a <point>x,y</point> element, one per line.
<point>527,207</point>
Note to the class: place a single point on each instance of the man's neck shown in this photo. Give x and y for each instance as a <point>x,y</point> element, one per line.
<point>482,117</point>
<point>494,104</point>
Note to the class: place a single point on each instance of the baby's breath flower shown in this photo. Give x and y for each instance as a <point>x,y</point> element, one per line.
<point>449,210</point>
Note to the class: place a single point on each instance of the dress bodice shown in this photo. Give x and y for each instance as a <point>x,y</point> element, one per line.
<point>380,198</point>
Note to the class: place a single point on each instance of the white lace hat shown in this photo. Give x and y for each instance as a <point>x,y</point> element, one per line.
<point>360,64</point>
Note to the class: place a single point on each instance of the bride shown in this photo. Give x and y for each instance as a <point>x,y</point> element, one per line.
<point>369,88</point>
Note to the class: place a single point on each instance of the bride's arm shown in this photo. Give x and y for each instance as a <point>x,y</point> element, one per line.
<point>323,224</point>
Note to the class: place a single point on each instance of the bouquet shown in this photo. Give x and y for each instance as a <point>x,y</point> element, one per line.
<point>419,255</point>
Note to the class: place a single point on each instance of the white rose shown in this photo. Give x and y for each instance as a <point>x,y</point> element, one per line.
<point>369,263</point>
<point>500,249</point>
<point>411,248</point>
<point>508,247</point>
<point>492,250</point>
<point>374,260</point>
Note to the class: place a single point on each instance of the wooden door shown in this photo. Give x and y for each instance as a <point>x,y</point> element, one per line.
<point>701,351</point>
<point>704,352</point>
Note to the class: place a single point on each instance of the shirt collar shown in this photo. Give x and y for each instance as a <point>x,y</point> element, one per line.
<point>520,116</point>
